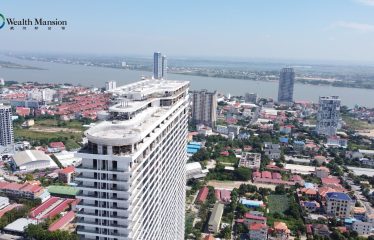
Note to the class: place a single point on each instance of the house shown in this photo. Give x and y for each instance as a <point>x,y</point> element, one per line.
<point>202,195</point>
<point>194,171</point>
<point>336,142</point>
<point>322,172</point>
<point>281,231</point>
<point>320,159</point>
<point>310,206</point>
<point>215,218</point>
<point>298,146</point>
<point>339,204</point>
<point>272,150</point>
<point>251,218</point>
<point>258,231</point>
<point>55,147</point>
<point>309,192</point>
<point>67,174</point>
<point>321,230</point>
<point>25,190</point>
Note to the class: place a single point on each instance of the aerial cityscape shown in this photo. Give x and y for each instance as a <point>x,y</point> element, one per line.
<point>237,120</point>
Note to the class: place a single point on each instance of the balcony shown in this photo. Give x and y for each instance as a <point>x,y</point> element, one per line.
<point>80,177</point>
<point>107,189</point>
<point>101,216</point>
<point>102,233</point>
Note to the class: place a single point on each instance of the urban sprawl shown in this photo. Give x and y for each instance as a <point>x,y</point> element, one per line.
<point>155,160</point>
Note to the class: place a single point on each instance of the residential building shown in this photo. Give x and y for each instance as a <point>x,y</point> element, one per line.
<point>286,85</point>
<point>336,141</point>
<point>363,228</point>
<point>25,190</point>
<point>6,125</point>
<point>215,218</point>
<point>322,172</point>
<point>328,115</point>
<point>222,129</point>
<point>339,204</point>
<point>204,107</point>
<point>159,66</point>
<point>250,160</point>
<point>132,178</point>
<point>110,85</point>
<point>250,98</point>
<point>164,67</point>
<point>258,231</point>
<point>272,150</point>
<point>321,230</point>
<point>281,231</point>
<point>250,218</point>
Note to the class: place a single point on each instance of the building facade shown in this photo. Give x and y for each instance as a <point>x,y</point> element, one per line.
<point>159,66</point>
<point>204,107</point>
<point>110,85</point>
<point>6,126</point>
<point>339,204</point>
<point>286,85</point>
<point>132,177</point>
<point>328,115</point>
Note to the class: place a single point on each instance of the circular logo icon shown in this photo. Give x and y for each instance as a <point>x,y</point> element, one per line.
<point>2,21</point>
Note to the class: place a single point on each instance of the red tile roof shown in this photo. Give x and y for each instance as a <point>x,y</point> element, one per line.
<point>256,226</point>
<point>203,194</point>
<point>67,170</point>
<point>62,222</point>
<point>57,145</point>
<point>266,174</point>
<point>254,217</point>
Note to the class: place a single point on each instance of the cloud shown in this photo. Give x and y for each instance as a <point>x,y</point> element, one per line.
<point>366,2</point>
<point>361,27</point>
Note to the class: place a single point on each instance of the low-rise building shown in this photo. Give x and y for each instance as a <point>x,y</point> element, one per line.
<point>4,201</point>
<point>25,190</point>
<point>322,172</point>
<point>250,160</point>
<point>30,160</point>
<point>363,228</point>
<point>339,204</point>
<point>215,218</point>
<point>67,174</point>
<point>258,231</point>
<point>272,150</point>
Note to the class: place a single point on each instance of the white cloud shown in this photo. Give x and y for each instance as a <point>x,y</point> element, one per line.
<point>361,27</point>
<point>366,2</point>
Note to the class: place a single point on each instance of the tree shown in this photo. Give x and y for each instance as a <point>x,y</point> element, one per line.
<point>243,174</point>
<point>226,233</point>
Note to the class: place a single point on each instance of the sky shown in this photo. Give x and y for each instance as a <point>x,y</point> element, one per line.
<point>341,30</point>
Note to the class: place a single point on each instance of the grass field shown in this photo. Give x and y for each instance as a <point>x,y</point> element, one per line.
<point>230,159</point>
<point>278,203</point>
<point>57,123</point>
<point>71,140</point>
<point>357,124</point>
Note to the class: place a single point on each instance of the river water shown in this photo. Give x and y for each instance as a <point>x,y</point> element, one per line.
<point>97,76</point>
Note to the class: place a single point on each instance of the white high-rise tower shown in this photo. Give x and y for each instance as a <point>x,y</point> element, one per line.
<point>132,177</point>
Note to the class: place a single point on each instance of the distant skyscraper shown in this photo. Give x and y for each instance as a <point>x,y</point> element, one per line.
<point>328,115</point>
<point>110,85</point>
<point>286,83</point>
<point>204,107</point>
<point>159,66</point>
<point>250,98</point>
<point>6,125</point>
<point>164,67</point>
<point>132,180</point>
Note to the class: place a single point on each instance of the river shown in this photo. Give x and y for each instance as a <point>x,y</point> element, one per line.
<point>97,76</point>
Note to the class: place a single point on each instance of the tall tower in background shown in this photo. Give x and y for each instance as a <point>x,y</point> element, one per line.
<point>164,67</point>
<point>204,107</point>
<point>328,115</point>
<point>157,65</point>
<point>6,126</point>
<point>286,85</point>
<point>110,85</point>
<point>132,180</point>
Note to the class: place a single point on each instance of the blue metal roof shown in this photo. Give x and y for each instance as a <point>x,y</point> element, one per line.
<point>338,196</point>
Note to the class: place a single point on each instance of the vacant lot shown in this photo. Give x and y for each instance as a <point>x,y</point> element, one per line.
<point>278,203</point>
